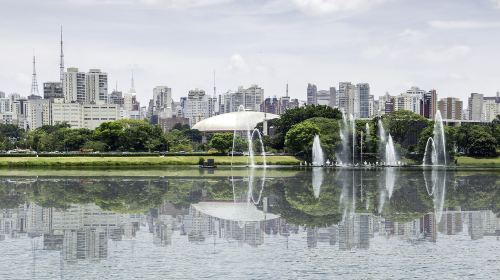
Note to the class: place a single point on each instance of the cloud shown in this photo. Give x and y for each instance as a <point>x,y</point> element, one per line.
<point>331,6</point>
<point>446,53</point>
<point>237,63</point>
<point>496,3</point>
<point>173,4</point>
<point>463,24</point>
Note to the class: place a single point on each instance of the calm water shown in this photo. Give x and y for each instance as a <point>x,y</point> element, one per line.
<point>250,224</point>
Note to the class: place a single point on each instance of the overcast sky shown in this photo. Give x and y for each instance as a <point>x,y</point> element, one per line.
<point>450,45</point>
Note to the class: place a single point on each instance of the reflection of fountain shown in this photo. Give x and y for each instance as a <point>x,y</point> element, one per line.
<point>387,151</point>
<point>317,180</point>
<point>318,159</point>
<point>348,144</point>
<point>435,149</point>
<point>386,186</point>
<point>437,190</point>
<point>250,136</point>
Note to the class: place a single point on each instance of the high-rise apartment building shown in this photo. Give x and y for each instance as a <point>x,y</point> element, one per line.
<point>363,94</point>
<point>38,113</point>
<point>345,97</point>
<point>270,105</point>
<point>74,86</point>
<point>491,107</point>
<point>162,101</point>
<point>196,106</point>
<point>428,104</point>
<point>476,106</point>
<point>96,87</point>
<point>53,90</point>
<point>312,92</point>
<point>250,98</point>
<point>450,108</point>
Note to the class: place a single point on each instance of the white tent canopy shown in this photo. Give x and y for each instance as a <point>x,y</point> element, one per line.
<point>238,121</point>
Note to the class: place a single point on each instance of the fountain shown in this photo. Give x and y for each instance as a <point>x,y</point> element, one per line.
<point>318,158</point>
<point>250,136</point>
<point>348,138</point>
<point>387,151</point>
<point>435,148</point>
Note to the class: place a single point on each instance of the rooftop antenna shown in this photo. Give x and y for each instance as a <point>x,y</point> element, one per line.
<point>215,88</point>
<point>34,83</point>
<point>286,89</point>
<point>61,63</point>
<point>132,83</point>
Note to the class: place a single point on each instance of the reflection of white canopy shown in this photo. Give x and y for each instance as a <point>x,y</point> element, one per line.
<point>239,121</point>
<point>233,211</point>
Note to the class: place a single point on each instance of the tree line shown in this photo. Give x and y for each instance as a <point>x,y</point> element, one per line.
<point>293,133</point>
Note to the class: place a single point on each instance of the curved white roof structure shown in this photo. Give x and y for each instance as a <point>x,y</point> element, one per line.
<point>233,211</point>
<point>239,121</point>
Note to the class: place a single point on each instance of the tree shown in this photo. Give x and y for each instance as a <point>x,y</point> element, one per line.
<point>95,146</point>
<point>294,116</point>
<point>177,142</point>
<point>483,145</point>
<point>222,142</point>
<point>329,134</point>
<point>110,133</point>
<point>300,137</point>
<point>405,127</point>
<point>476,140</point>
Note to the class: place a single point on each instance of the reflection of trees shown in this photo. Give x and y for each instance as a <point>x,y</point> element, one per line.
<point>292,198</point>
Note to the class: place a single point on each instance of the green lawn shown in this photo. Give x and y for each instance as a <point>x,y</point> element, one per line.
<point>137,161</point>
<point>478,161</point>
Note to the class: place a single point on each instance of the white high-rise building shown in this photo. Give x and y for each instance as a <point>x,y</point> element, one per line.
<point>74,86</point>
<point>250,98</point>
<point>38,113</point>
<point>476,107</point>
<point>410,100</point>
<point>162,101</point>
<point>491,108</point>
<point>196,106</point>
<point>96,87</point>
<point>346,97</point>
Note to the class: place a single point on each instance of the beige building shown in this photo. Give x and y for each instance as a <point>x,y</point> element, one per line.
<point>450,108</point>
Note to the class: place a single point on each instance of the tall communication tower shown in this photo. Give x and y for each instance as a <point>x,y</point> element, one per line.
<point>61,63</point>
<point>34,83</point>
<point>215,88</point>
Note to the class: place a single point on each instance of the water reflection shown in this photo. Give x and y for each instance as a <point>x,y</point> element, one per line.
<point>85,218</point>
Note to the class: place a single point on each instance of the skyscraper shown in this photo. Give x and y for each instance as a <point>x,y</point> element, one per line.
<point>476,106</point>
<point>74,86</point>
<point>363,91</point>
<point>250,98</point>
<point>162,101</point>
<point>96,87</point>
<point>312,93</point>
<point>428,104</point>
<point>451,108</point>
<point>52,90</point>
<point>196,106</point>
<point>344,94</point>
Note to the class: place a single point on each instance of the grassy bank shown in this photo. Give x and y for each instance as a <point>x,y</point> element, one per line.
<point>136,161</point>
<point>470,161</point>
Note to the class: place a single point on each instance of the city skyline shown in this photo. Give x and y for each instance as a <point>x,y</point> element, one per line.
<point>448,48</point>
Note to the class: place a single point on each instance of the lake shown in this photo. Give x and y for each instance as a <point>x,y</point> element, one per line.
<point>274,223</point>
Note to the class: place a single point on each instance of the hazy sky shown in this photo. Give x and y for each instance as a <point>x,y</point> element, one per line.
<point>450,45</point>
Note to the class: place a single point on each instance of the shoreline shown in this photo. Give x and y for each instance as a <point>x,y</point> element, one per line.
<point>140,161</point>
<point>189,161</point>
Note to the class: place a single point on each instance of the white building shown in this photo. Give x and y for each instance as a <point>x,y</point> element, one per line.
<point>250,98</point>
<point>476,107</point>
<point>491,108</point>
<point>38,113</point>
<point>70,113</point>
<point>162,101</point>
<point>74,86</point>
<point>196,106</point>
<point>94,115</point>
<point>96,87</point>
